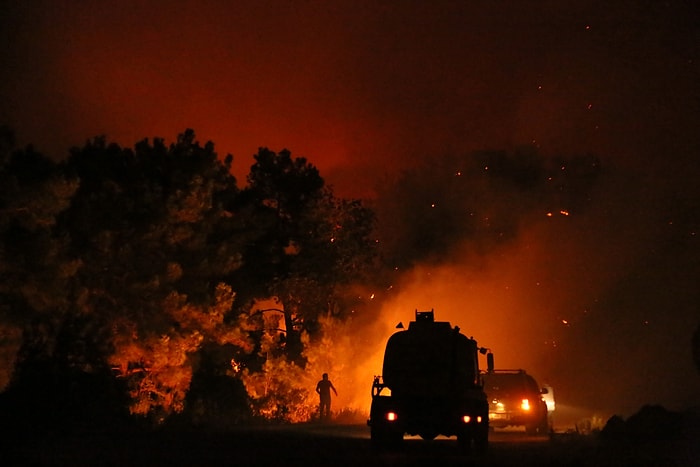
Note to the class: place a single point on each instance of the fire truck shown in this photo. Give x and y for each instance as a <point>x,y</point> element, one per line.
<point>430,385</point>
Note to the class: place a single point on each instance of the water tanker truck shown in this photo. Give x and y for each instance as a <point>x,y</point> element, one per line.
<point>430,385</point>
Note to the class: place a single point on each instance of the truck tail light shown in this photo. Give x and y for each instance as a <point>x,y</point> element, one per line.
<point>469,419</point>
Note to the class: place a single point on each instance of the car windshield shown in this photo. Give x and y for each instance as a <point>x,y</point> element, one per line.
<point>510,382</point>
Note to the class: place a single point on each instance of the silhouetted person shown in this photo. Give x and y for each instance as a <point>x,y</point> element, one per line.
<point>323,388</point>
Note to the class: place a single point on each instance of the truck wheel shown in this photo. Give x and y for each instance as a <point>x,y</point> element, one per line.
<point>383,438</point>
<point>481,441</point>
<point>464,442</point>
<point>539,428</point>
<point>378,438</point>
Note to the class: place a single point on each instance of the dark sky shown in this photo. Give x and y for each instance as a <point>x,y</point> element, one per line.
<point>365,88</point>
<point>354,86</point>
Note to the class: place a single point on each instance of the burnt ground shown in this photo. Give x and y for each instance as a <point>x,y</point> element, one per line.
<point>333,445</point>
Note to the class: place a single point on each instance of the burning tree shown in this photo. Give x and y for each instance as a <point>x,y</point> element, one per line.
<point>277,392</point>
<point>149,265</point>
<point>149,256</point>
<point>313,245</point>
<point>138,244</point>
<point>314,249</point>
<point>285,391</point>
<point>159,366</point>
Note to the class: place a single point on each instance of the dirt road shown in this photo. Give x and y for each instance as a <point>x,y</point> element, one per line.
<point>325,445</point>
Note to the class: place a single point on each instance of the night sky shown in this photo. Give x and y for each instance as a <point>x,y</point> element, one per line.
<point>607,300</point>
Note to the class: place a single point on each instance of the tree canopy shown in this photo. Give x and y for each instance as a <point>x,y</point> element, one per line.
<point>139,262</point>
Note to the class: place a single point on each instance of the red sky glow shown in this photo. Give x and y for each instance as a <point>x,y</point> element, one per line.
<point>364,89</point>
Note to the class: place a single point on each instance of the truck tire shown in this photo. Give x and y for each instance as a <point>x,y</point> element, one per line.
<point>383,438</point>
<point>477,441</point>
<point>464,443</point>
<point>481,441</point>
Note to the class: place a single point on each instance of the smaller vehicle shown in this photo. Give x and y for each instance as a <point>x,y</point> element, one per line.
<point>515,399</point>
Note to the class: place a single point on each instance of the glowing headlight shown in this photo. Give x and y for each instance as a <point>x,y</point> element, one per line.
<point>466,419</point>
<point>391,416</point>
<point>525,404</point>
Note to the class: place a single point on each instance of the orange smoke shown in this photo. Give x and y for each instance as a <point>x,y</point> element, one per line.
<point>518,302</point>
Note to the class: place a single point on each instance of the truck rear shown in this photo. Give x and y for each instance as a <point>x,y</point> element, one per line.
<point>430,386</point>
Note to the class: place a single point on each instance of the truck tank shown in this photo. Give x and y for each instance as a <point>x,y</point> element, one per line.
<point>430,386</point>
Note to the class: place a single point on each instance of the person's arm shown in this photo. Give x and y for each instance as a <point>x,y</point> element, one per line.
<point>333,388</point>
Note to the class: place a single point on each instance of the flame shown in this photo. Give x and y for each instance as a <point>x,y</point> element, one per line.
<point>285,391</point>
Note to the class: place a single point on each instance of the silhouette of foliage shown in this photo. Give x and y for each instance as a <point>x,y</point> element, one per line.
<point>137,267</point>
<point>147,228</point>
<point>34,268</point>
<point>311,244</point>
